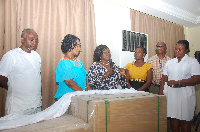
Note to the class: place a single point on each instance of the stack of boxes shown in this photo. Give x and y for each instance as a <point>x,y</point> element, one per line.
<point>136,112</point>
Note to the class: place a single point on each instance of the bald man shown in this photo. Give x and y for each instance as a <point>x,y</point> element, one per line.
<point>158,62</point>
<point>20,71</point>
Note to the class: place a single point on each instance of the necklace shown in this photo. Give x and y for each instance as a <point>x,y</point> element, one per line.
<point>104,63</point>
<point>75,59</point>
<point>77,64</point>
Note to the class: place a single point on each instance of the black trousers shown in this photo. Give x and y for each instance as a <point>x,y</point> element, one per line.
<point>136,85</point>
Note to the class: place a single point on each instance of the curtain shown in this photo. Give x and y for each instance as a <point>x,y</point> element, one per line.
<point>158,30</point>
<point>2,18</point>
<point>52,20</point>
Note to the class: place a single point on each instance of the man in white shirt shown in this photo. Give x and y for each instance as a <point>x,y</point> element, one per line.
<point>20,73</point>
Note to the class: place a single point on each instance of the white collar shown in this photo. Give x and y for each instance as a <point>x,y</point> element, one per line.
<point>184,58</point>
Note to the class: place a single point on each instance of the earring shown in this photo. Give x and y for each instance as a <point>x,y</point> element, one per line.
<point>100,58</point>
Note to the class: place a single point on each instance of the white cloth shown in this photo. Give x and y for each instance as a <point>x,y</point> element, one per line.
<point>55,110</point>
<point>181,102</point>
<point>24,80</point>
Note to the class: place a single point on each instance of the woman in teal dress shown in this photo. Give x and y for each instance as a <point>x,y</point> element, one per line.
<point>70,74</point>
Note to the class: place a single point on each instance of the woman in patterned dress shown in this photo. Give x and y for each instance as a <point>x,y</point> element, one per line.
<point>103,77</point>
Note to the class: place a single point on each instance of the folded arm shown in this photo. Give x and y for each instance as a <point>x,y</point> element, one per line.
<point>149,80</point>
<point>73,85</point>
<point>186,82</point>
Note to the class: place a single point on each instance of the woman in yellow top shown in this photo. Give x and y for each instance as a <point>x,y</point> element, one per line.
<point>140,73</point>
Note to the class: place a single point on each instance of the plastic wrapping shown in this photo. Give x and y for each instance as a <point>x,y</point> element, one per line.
<point>55,110</point>
<point>121,112</point>
<point>95,111</point>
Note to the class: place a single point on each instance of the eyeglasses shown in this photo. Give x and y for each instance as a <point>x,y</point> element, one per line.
<point>160,47</point>
<point>106,52</point>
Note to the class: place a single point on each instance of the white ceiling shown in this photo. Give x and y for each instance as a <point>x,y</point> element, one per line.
<point>183,12</point>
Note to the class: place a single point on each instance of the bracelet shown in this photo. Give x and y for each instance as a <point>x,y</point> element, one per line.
<point>86,88</point>
<point>123,75</point>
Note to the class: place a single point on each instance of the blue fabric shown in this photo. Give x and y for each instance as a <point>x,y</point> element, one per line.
<point>67,70</point>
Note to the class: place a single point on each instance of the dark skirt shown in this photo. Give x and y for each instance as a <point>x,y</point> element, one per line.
<point>136,85</point>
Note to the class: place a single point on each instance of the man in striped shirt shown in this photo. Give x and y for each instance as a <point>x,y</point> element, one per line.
<point>158,62</point>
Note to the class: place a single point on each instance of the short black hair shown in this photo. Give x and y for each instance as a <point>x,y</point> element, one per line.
<point>24,31</point>
<point>98,52</point>
<point>144,50</point>
<point>185,43</point>
<point>68,43</point>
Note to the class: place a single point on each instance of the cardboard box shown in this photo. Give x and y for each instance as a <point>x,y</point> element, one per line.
<point>139,112</point>
<point>65,123</point>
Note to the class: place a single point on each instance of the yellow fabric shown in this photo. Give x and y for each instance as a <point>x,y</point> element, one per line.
<point>138,72</point>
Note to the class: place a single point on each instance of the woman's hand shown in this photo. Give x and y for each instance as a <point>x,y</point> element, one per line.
<point>109,72</point>
<point>172,82</point>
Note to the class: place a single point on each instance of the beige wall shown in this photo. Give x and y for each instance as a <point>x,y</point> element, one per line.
<point>193,36</point>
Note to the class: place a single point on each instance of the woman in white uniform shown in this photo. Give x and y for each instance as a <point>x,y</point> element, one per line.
<point>179,77</point>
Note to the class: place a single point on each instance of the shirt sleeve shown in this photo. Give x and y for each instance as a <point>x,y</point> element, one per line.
<point>165,72</point>
<point>39,59</point>
<point>151,59</point>
<point>128,66</point>
<point>6,65</point>
<point>149,66</point>
<point>64,71</point>
<point>195,67</point>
